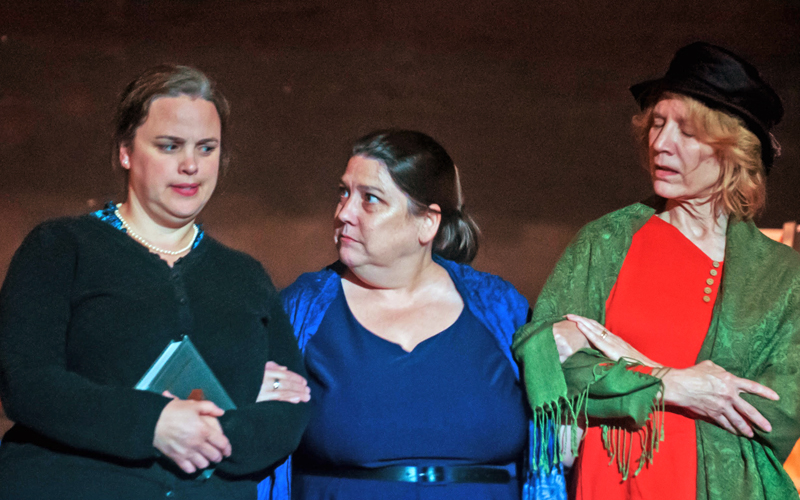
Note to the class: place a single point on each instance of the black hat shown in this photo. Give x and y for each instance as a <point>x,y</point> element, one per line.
<point>721,80</point>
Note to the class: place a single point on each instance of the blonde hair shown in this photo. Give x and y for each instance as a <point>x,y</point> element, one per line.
<point>741,187</point>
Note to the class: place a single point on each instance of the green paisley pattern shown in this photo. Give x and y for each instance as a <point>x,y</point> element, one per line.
<point>754,333</point>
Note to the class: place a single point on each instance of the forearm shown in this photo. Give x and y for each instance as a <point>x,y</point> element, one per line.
<point>609,389</point>
<point>614,390</point>
<point>262,434</point>
<point>63,406</point>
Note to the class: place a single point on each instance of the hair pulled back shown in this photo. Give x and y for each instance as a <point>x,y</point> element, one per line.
<point>165,80</point>
<point>424,171</point>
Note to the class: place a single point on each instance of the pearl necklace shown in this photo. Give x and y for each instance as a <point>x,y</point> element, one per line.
<point>149,245</point>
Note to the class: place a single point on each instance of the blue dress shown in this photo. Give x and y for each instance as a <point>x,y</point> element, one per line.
<point>453,400</point>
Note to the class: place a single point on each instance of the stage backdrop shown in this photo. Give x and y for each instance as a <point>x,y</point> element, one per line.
<point>529,97</point>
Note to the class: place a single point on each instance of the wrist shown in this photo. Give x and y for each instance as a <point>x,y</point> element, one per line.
<point>668,382</point>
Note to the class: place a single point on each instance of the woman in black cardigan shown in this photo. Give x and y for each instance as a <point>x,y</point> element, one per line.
<point>89,303</point>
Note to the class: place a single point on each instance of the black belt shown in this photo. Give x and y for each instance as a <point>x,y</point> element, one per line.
<point>419,474</point>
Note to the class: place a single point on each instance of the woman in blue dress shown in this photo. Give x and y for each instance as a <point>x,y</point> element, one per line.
<point>414,390</point>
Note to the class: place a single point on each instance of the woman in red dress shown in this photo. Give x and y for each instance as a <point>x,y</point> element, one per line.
<point>704,309</point>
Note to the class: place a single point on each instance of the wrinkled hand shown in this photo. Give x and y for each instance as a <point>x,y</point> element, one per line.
<point>706,390</point>
<point>281,384</point>
<point>713,393</point>
<point>569,339</point>
<point>606,342</point>
<point>189,433</point>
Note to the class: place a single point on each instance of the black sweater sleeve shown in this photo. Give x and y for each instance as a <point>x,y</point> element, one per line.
<point>38,390</point>
<point>263,434</point>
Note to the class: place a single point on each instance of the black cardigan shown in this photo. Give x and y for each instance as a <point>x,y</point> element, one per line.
<point>84,311</point>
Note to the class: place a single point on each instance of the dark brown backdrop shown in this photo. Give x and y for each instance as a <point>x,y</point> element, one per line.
<point>529,97</point>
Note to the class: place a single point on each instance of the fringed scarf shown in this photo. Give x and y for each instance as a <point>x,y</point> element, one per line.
<point>754,333</point>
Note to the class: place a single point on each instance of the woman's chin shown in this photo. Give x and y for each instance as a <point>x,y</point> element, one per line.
<point>348,258</point>
<point>186,209</point>
<point>666,189</point>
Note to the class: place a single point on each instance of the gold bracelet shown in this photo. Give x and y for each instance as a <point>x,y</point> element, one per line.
<point>661,371</point>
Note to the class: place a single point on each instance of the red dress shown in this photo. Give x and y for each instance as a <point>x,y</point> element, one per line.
<point>661,304</point>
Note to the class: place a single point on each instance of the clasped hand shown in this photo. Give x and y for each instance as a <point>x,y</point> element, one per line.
<point>281,384</point>
<point>706,389</point>
<point>189,433</point>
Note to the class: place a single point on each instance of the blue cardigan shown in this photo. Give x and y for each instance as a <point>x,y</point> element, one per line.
<point>494,301</point>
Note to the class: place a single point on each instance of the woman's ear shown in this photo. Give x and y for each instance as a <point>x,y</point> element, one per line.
<point>429,224</point>
<point>124,157</point>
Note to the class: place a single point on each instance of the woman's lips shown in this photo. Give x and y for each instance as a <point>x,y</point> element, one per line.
<point>343,238</point>
<point>662,172</point>
<point>185,189</point>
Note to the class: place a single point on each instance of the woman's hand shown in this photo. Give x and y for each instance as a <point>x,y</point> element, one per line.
<point>189,433</point>
<point>606,342</point>
<point>280,384</point>
<point>569,339</point>
<point>713,393</point>
<point>706,390</point>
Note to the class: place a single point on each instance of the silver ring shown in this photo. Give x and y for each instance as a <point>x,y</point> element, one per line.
<point>276,384</point>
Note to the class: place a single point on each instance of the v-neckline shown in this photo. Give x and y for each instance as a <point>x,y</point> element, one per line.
<point>688,241</point>
<point>370,333</point>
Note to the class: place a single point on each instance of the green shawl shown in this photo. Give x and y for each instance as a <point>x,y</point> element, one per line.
<point>754,333</point>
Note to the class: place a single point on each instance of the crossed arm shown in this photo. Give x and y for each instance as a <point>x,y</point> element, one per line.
<point>705,390</point>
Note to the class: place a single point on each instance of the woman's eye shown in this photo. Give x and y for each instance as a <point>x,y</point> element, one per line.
<point>207,150</point>
<point>657,125</point>
<point>687,133</point>
<point>369,198</point>
<point>168,148</point>
<point>343,193</point>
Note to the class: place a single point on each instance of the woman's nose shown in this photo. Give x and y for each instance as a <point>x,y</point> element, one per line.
<point>665,138</point>
<point>189,163</point>
<point>344,211</point>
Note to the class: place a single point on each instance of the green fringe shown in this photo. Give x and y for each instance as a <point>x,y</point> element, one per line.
<point>547,420</point>
<point>617,440</point>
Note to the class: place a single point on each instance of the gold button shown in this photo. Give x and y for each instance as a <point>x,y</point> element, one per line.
<point>710,281</point>
<point>713,272</point>
<point>707,290</point>
<point>706,298</point>
<point>715,263</point>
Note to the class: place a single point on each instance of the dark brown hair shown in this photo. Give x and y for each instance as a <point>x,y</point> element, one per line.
<point>424,171</point>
